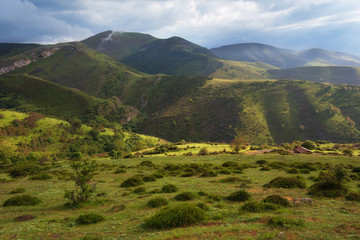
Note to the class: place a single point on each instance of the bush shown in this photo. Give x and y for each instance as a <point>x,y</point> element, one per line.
<point>147,163</point>
<point>169,188</point>
<point>265,169</point>
<point>24,170</point>
<point>203,206</point>
<point>353,197</point>
<point>18,190</point>
<point>139,190</point>
<point>132,182</point>
<point>230,164</point>
<point>41,176</point>
<point>239,196</point>
<point>203,151</point>
<point>309,145</point>
<point>257,207</point>
<point>157,202</point>
<point>276,199</point>
<point>208,174</point>
<point>23,200</point>
<point>285,223</point>
<point>356,170</point>
<point>261,161</point>
<point>292,171</point>
<point>150,178</point>
<point>284,182</point>
<point>178,216</point>
<point>331,184</point>
<point>185,196</point>
<point>89,218</point>
<point>24,218</point>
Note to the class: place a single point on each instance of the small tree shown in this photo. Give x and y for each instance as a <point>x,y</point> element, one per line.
<point>84,171</point>
<point>238,143</point>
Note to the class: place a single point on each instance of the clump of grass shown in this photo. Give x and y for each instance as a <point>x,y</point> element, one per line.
<point>17,190</point>
<point>239,196</point>
<point>139,190</point>
<point>89,218</point>
<point>353,197</point>
<point>286,182</point>
<point>169,188</point>
<point>132,182</point>
<point>262,161</point>
<point>281,222</point>
<point>208,174</point>
<point>23,200</point>
<point>177,216</point>
<point>185,196</point>
<point>293,171</point>
<point>157,202</point>
<point>230,164</point>
<point>257,207</point>
<point>24,170</point>
<point>356,170</point>
<point>41,176</point>
<point>203,206</point>
<point>147,163</point>
<point>149,178</point>
<point>276,199</point>
<point>265,169</point>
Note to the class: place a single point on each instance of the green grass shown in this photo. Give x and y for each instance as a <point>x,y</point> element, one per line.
<point>327,219</point>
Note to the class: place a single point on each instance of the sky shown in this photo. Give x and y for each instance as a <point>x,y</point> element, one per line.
<point>291,24</point>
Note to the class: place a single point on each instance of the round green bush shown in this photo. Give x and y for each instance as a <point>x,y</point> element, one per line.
<point>150,178</point>
<point>157,202</point>
<point>23,200</point>
<point>41,176</point>
<point>293,171</point>
<point>177,216</point>
<point>284,222</point>
<point>257,207</point>
<point>18,190</point>
<point>265,169</point>
<point>276,199</point>
<point>89,218</point>
<point>356,170</point>
<point>185,196</point>
<point>286,182</point>
<point>261,161</point>
<point>239,196</point>
<point>24,170</point>
<point>328,188</point>
<point>208,174</point>
<point>132,182</point>
<point>147,163</point>
<point>169,188</point>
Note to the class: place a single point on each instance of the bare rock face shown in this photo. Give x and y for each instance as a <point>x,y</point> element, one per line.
<point>33,57</point>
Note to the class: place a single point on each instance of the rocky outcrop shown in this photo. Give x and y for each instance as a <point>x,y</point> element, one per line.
<point>33,57</point>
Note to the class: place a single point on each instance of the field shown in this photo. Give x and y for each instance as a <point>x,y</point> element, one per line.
<point>211,178</point>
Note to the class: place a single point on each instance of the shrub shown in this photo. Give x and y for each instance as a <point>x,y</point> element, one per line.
<point>89,218</point>
<point>158,175</point>
<point>169,188</point>
<point>139,190</point>
<point>150,178</point>
<point>284,222</point>
<point>147,163</point>
<point>178,216</point>
<point>265,169</point>
<point>278,200</point>
<point>353,197</point>
<point>239,196</point>
<point>24,170</point>
<point>185,196</point>
<point>284,182</point>
<point>203,151</point>
<point>309,145</point>
<point>18,190</point>
<point>203,206</point>
<point>41,176</point>
<point>208,174</point>
<point>348,152</point>
<point>23,200</point>
<point>257,207</point>
<point>132,182</point>
<point>331,184</point>
<point>230,164</point>
<point>261,161</point>
<point>292,171</point>
<point>157,202</point>
<point>356,170</point>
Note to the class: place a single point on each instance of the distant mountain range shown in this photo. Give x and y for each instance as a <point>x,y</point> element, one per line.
<point>283,58</point>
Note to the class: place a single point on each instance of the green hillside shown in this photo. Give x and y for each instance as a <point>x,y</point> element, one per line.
<point>262,111</point>
<point>10,52</point>
<point>329,74</point>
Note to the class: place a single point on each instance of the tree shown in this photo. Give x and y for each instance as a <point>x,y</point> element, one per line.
<point>84,171</point>
<point>238,143</point>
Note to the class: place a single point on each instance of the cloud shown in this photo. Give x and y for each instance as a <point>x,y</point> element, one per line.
<point>284,23</point>
<point>21,21</point>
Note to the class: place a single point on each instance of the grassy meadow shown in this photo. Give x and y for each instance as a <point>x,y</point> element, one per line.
<point>126,208</point>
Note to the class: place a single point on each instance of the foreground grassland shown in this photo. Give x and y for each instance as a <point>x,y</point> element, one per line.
<point>125,211</point>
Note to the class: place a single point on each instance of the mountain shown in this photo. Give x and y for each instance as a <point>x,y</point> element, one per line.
<point>174,56</point>
<point>283,58</point>
<point>256,52</point>
<point>337,75</point>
